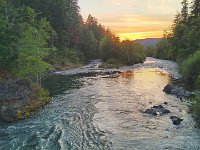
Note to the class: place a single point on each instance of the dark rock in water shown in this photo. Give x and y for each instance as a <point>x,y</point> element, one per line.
<point>178,91</point>
<point>167,89</point>
<point>151,112</point>
<point>176,120</point>
<point>161,110</point>
<point>165,111</point>
<point>159,106</point>
<point>165,103</point>
<point>157,109</point>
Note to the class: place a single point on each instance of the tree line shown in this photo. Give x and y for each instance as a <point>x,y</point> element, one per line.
<point>39,35</point>
<point>182,42</point>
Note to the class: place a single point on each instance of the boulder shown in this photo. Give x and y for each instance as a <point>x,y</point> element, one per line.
<point>158,106</point>
<point>167,89</point>
<point>157,109</point>
<point>176,120</point>
<point>161,110</point>
<point>178,91</point>
<point>151,112</point>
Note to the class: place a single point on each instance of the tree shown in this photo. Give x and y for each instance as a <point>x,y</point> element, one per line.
<point>88,43</point>
<point>32,46</point>
<point>184,11</point>
<point>65,19</point>
<point>195,8</point>
<point>8,38</point>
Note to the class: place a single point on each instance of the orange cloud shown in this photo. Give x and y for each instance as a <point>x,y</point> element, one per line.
<point>137,26</point>
<point>140,35</point>
<point>133,19</point>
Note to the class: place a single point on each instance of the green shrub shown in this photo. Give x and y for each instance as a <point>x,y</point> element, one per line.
<point>197,83</point>
<point>191,67</point>
<point>196,109</point>
<point>44,95</point>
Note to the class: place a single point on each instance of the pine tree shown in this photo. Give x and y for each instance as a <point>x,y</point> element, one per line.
<point>195,8</point>
<point>184,11</point>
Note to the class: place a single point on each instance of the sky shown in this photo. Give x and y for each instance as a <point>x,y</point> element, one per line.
<point>133,19</point>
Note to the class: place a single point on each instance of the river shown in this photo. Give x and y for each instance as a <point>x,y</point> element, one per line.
<point>94,110</point>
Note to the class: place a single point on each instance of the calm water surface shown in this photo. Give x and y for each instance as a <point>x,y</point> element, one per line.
<point>101,112</point>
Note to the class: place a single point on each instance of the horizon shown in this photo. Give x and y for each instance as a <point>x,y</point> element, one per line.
<point>134,19</point>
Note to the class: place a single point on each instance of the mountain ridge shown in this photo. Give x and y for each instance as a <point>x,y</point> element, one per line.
<point>148,41</point>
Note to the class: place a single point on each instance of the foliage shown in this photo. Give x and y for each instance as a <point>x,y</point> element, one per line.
<point>88,43</point>
<point>150,51</point>
<point>196,109</point>
<point>8,40</point>
<point>126,52</point>
<point>32,50</point>
<point>29,67</point>
<point>196,8</point>
<point>183,41</point>
<point>198,82</point>
<point>132,52</point>
<point>182,44</point>
<point>190,68</point>
<point>65,20</point>
<point>112,63</point>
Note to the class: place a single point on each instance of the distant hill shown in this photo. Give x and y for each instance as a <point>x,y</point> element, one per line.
<point>148,41</point>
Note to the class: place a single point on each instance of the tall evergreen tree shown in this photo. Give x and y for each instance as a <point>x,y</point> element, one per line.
<point>8,34</point>
<point>195,8</point>
<point>184,11</point>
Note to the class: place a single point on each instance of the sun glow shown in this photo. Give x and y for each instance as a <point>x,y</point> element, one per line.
<point>133,19</point>
<point>140,35</point>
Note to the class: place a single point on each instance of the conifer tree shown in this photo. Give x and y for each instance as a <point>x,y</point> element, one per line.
<point>195,8</point>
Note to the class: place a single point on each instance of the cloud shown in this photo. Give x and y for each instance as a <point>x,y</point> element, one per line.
<point>126,17</point>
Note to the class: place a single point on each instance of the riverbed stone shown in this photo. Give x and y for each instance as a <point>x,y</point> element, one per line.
<point>178,91</point>
<point>157,109</point>
<point>165,103</point>
<point>176,120</point>
<point>161,110</point>
<point>151,112</point>
<point>167,89</point>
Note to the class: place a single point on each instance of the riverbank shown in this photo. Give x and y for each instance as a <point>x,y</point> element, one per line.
<point>19,99</point>
<point>169,67</point>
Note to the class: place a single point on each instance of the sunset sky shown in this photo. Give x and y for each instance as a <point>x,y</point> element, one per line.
<point>133,19</point>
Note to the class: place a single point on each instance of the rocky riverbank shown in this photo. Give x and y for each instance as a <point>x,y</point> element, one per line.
<point>19,98</point>
<point>95,68</point>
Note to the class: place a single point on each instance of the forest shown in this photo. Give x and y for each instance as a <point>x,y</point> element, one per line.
<point>182,44</point>
<point>42,35</point>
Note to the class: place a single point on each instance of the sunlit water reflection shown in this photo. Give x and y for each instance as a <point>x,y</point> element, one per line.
<point>122,102</point>
<point>105,112</point>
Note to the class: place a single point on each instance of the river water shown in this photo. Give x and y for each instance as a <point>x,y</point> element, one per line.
<point>98,111</point>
